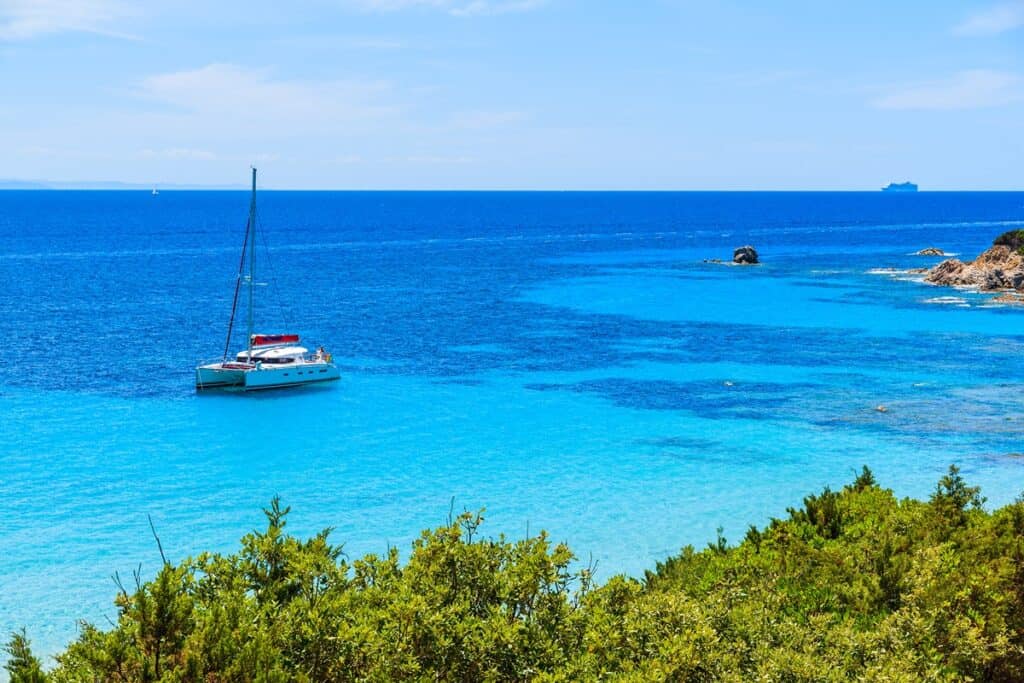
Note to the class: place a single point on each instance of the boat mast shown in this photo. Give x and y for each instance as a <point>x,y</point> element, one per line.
<point>252,255</point>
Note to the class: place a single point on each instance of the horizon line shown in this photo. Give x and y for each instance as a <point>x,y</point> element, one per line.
<point>128,186</point>
<point>101,187</point>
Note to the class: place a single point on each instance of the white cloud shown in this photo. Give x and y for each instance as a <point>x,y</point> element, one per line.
<point>997,19</point>
<point>24,19</point>
<point>458,8</point>
<point>241,99</point>
<point>972,89</point>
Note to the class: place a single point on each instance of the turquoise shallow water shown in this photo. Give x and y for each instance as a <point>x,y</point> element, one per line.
<point>566,361</point>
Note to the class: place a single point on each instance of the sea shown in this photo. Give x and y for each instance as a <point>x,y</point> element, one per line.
<point>573,362</point>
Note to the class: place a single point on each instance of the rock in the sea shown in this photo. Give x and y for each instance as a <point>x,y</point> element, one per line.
<point>745,256</point>
<point>930,251</point>
<point>1009,298</point>
<point>998,268</point>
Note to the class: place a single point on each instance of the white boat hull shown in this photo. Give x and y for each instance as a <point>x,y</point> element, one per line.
<point>215,376</point>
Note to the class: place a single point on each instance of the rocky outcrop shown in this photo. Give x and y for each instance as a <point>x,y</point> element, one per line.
<point>999,268</point>
<point>745,256</point>
<point>1009,298</point>
<point>930,251</point>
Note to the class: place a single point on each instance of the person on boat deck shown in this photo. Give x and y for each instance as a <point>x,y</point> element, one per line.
<point>320,353</point>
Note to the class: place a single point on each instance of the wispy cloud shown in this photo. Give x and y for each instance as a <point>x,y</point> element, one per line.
<point>25,19</point>
<point>996,19</point>
<point>320,41</point>
<point>236,97</point>
<point>972,89</point>
<point>458,8</point>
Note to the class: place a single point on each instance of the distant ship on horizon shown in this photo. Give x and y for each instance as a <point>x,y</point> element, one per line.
<point>900,187</point>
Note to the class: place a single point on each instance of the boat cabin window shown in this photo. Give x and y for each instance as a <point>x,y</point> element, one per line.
<point>267,361</point>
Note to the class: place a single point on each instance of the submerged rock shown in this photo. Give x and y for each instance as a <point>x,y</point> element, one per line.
<point>930,251</point>
<point>745,255</point>
<point>998,268</point>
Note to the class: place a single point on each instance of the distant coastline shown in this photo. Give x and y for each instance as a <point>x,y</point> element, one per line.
<point>103,185</point>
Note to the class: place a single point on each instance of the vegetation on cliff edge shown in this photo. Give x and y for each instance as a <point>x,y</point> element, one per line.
<point>1013,239</point>
<point>852,585</point>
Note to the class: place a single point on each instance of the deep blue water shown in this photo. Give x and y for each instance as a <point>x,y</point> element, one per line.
<point>565,360</point>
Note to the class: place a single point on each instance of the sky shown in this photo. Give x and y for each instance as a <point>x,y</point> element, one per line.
<point>515,94</point>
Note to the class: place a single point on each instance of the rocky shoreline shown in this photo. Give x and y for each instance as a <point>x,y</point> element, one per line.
<point>1000,268</point>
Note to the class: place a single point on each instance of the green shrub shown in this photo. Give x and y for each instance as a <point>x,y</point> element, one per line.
<point>22,666</point>
<point>855,585</point>
<point>1014,239</point>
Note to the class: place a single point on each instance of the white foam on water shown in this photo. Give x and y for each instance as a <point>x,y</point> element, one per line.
<point>948,301</point>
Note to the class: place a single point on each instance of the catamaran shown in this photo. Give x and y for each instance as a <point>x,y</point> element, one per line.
<point>271,360</point>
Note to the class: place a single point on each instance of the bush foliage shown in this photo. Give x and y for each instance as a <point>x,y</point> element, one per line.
<point>1014,239</point>
<point>853,585</point>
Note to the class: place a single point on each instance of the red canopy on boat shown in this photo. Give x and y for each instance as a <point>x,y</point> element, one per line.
<point>268,339</point>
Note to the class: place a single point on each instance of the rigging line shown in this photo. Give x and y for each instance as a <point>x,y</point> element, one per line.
<point>238,286</point>
<point>282,311</point>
